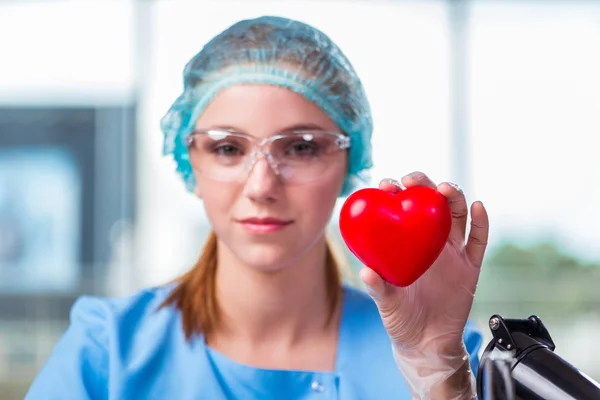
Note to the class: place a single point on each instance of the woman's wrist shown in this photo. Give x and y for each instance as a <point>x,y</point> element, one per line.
<point>458,386</point>
<point>435,374</point>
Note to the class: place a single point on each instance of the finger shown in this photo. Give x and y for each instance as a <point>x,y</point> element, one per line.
<point>376,287</point>
<point>417,179</point>
<point>478,234</point>
<point>458,207</point>
<point>390,185</point>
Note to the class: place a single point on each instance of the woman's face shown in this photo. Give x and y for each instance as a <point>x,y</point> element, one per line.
<point>241,212</point>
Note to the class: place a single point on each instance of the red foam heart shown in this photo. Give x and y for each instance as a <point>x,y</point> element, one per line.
<point>398,235</point>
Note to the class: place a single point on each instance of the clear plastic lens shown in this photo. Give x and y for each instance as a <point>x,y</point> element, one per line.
<point>296,157</point>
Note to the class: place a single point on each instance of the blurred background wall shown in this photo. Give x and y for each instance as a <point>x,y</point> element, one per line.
<point>502,97</point>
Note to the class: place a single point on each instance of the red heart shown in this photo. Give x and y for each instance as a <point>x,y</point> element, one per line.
<point>399,235</point>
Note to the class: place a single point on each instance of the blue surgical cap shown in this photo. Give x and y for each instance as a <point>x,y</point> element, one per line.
<point>282,52</point>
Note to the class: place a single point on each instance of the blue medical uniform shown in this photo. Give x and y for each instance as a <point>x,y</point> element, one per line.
<point>129,349</point>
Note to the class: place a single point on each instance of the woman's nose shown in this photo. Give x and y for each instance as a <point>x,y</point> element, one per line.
<point>263,183</point>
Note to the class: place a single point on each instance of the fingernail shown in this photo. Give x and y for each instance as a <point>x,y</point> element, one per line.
<point>455,186</point>
<point>416,175</point>
<point>393,182</point>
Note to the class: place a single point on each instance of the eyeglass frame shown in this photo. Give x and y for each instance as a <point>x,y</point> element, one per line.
<point>342,141</point>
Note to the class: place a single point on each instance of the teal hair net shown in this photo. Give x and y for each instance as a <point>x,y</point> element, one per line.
<point>282,52</point>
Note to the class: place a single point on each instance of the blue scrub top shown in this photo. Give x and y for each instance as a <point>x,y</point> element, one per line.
<point>126,349</point>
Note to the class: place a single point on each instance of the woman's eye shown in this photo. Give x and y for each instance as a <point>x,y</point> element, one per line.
<point>227,150</point>
<point>302,149</point>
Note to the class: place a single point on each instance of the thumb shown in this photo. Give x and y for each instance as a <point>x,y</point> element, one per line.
<point>376,287</point>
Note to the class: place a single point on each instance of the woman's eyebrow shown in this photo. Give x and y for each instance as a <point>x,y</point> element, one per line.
<point>225,128</point>
<point>303,127</point>
<point>291,128</point>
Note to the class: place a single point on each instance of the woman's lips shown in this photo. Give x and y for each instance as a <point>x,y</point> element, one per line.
<point>264,225</point>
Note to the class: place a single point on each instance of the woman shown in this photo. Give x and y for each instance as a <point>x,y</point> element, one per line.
<point>272,126</point>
